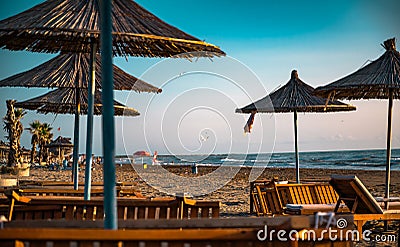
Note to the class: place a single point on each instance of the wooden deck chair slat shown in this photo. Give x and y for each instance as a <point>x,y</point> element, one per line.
<point>194,213</point>
<point>151,212</point>
<point>69,212</point>
<point>141,212</point>
<point>130,214</point>
<point>99,212</point>
<point>89,212</point>
<point>121,212</point>
<point>79,212</point>
<point>262,200</point>
<point>205,212</point>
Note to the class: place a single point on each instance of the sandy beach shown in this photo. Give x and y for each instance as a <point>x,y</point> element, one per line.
<point>234,196</point>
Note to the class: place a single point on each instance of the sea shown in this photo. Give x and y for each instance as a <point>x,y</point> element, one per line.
<point>354,159</point>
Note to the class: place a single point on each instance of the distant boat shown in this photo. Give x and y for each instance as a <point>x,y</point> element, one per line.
<point>142,153</point>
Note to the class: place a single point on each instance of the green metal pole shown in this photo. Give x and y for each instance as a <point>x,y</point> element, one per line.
<point>75,157</point>
<point>296,149</point>
<point>89,132</point>
<point>388,147</point>
<point>110,201</point>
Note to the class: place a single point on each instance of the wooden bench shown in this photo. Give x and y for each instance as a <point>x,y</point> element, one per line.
<point>75,208</point>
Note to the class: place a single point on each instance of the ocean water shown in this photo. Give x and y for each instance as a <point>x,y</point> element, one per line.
<point>360,159</point>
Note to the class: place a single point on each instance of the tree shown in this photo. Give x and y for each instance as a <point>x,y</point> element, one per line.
<point>45,137</point>
<point>14,129</point>
<point>34,129</point>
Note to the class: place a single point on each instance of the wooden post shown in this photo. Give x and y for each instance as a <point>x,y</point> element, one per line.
<point>76,137</point>
<point>89,131</point>
<point>296,149</point>
<point>388,148</point>
<point>110,201</point>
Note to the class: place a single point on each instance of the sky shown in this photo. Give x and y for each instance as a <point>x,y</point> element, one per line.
<point>264,41</point>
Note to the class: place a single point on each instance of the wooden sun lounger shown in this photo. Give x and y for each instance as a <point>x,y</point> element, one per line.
<point>360,202</point>
<point>272,198</point>
<point>122,191</point>
<point>264,198</point>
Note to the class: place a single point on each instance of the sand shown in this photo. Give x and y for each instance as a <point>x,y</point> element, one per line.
<point>234,196</point>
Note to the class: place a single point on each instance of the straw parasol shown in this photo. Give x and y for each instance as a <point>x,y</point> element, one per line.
<point>72,26</point>
<point>63,71</point>
<point>62,101</point>
<point>125,28</point>
<point>60,145</point>
<point>295,96</point>
<point>379,79</point>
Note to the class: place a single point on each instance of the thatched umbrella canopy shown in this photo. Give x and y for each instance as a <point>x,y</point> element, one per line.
<point>60,142</point>
<point>379,79</point>
<point>71,26</point>
<point>295,96</point>
<point>59,146</point>
<point>63,71</point>
<point>62,101</point>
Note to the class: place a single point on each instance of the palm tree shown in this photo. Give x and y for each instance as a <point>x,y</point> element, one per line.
<point>14,128</point>
<point>34,129</point>
<point>45,137</point>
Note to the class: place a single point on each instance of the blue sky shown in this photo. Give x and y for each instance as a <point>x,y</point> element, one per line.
<point>323,40</point>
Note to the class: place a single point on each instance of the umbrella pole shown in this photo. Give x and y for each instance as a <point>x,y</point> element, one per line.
<point>89,132</point>
<point>296,149</point>
<point>110,202</point>
<point>388,147</point>
<point>76,138</point>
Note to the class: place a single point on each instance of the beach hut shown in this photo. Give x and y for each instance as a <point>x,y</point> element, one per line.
<point>379,79</point>
<point>124,29</point>
<point>295,96</point>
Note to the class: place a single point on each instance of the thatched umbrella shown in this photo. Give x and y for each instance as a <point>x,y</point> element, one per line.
<point>379,79</point>
<point>72,26</point>
<point>62,101</point>
<point>295,96</point>
<point>126,29</point>
<point>72,71</point>
<point>63,71</point>
<point>60,145</point>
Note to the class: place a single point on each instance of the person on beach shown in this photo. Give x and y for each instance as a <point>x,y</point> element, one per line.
<point>155,161</point>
